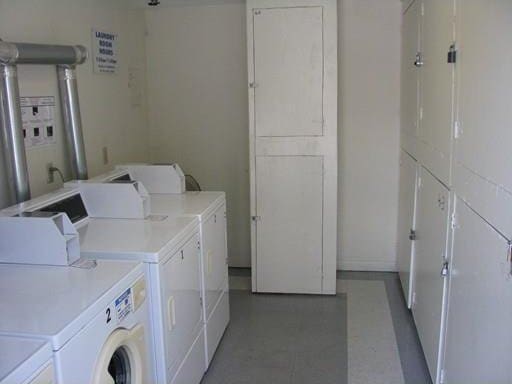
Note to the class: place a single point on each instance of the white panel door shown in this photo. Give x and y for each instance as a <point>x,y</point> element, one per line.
<point>406,224</point>
<point>180,286</point>
<point>289,69</point>
<point>437,88</point>
<point>482,173</point>
<point>289,233</point>
<point>214,258</point>
<point>478,334</point>
<point>292,59</point>
<point>430,254</point>
<point>410,78</point>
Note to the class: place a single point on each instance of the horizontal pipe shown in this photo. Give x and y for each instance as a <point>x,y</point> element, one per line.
<point>28,53</point>
<point>12,134</point>
<point>70,106</point>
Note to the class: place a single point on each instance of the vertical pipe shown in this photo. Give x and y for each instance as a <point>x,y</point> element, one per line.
<point>70,106</point>
<point>13,140</point>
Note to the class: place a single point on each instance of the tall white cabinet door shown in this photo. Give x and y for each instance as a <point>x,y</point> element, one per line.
<point>482,173</point>
<point>479,334</point>
<point>410,77</point>
<point>437,88</point>
<point>430,256</point>
<point>289,239</point>
<point>406,224</point>
<point>292,59</point>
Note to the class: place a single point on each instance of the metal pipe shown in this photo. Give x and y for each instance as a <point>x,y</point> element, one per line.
<point>12,129</point>
<point>70,106</point>
<point>27,53</point>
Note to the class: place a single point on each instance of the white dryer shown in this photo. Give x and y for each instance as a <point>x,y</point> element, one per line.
<point>95,320</point>
<point>25,361</point>
<point>166,187</point>
<point>169,248</point>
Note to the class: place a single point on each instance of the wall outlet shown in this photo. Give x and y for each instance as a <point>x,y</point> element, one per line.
<point>49,173</point>
<point>105,155</point>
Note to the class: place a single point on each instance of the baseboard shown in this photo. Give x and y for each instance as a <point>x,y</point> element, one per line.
<point>369,266</point>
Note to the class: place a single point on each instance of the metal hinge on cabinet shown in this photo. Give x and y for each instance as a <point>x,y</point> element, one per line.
<point>198,245</point>
<point>255,218</point>
<point>412,235</point>
<point>419,182</point>
<point>453,221</point>
<point>452,54</point>
<point>413,299</point>
<point>421,113</point>
<point>201,301</point>
<point>253,85</point>
<point>445,269</point>
<point>457,131</point>
<point>422,9</point>
<point>509,255</point>
<point>419,60</point>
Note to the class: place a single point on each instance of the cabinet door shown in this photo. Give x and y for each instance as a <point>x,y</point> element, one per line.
<point>292,58</point>
<point>478,334</point>
<point>482,173</point>
<point>406,224</point>
<point>430,255</point>
<point>437,89</point>
<point>214,257</point>
<point>179,278</point>
<point>289,241</point>
<point>410,77</point>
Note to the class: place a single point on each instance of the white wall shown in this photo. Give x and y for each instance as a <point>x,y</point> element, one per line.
<point>197,87</point>
<point>369,118</point>
<point>108,117</point>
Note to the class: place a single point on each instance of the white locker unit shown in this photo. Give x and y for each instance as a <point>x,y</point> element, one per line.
<point>437,88</point>
<point>478,337</point>
<point>431,267</point>
<point>482,174</point>
<point>292,49</point>
<point>406,223</point>
<point>411,63</point>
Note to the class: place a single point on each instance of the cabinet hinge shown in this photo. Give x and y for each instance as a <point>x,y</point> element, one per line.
<point>419,182</point>
<point>457,131</point>
<point>509,255</point>
<point>422,9</point>
<point>253,85</point>
<point>412,235</point>
<point>442,377</point>
<point>255,218</point>
<point>201,301</point>
<point>452,54</point>
<point>453,221</point>
<point>413,299</point>
<point>445,270</point>
<point>421,113</point>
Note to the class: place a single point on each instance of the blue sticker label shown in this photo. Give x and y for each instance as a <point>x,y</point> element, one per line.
<point>124,305</point>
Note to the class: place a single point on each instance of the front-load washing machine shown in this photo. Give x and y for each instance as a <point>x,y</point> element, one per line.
<point>95,320</point>
<point>25,361</point>
<point>169,248</point>
<point>166,187</point>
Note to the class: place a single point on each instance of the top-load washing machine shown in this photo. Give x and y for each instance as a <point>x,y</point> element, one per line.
<point>25,361</point>
<point>169,248</point>
<point>166,187</point>
<point>94,319</point>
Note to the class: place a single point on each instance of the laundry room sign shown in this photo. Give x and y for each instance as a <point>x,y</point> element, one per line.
<point>38,117</point>
<point>104,51</point>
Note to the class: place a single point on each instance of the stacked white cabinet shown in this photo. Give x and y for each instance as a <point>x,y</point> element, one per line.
<point>431,267</point>
<point>462,148</point>
<point>292,58</point>
<point>406,223</point>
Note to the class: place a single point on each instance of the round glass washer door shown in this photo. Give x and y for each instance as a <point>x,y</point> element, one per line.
<point>122,358</point>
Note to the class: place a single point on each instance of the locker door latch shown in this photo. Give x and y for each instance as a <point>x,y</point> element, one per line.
<point>452,54</point>
<point>412,235</point>
<point>445,269</point>
<point>419,60</point>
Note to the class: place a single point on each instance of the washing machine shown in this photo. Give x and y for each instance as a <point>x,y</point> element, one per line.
<point>168,247</point>
<point>95,319</point>
<point>166,187</point>
<point>25,361</point>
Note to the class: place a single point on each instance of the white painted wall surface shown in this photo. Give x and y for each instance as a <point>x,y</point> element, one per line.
<point>198,108</point>
<point>108,118</point>
<point>369,114</point>
<point>197,87</point>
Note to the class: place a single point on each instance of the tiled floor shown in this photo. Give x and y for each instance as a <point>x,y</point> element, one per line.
<point>363,335</point>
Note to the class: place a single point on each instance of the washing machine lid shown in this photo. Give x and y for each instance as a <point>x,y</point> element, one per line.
<point>201,204</point>
<point>153,240</point>
<point>54,303</point>
<point>21,358</point>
